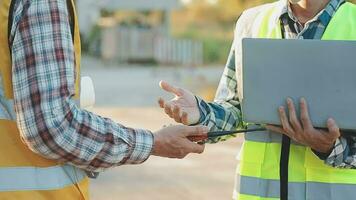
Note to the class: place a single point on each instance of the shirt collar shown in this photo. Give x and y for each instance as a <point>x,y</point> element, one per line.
<point>323,16</point>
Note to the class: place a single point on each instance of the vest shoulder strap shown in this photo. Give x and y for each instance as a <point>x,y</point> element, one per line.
<point>10,20</point>
<point>266,24</point>
<point>341,27</point>
<point>343,24</point>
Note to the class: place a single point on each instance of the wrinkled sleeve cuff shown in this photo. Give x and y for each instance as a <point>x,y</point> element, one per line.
<point>322,156</point>
<point>203,109</point>
<point>142,147</point>
<point>339,152</point>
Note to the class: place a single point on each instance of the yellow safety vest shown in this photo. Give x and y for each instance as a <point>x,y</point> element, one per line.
<point>309,177</point>
<point>24,174</point>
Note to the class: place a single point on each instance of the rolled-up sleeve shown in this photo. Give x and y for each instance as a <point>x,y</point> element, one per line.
<point>50,122</point>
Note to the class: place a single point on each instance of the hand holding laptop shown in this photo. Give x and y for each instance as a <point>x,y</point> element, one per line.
<point>301,129</point>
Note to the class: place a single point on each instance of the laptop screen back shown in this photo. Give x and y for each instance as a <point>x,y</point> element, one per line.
<point>324,72</point>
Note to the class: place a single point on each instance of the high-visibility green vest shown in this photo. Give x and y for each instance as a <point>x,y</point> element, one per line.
<point>309,177</point>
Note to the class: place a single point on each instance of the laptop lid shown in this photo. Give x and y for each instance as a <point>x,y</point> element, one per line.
<point>324,72</point>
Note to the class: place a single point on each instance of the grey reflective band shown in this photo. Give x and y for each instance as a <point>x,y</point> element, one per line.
<point>300,191</point>
<point>35,178</point>
<point>266,137</point>
<point>7,111</point>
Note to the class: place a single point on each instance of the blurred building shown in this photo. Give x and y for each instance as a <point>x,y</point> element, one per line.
<point>136,41</point>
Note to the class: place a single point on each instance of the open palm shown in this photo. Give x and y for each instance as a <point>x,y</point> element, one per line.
<point>183,108</point>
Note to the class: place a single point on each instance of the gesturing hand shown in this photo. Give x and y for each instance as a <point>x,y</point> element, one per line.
<point>183,108</point>
<point>302,131</point>
<point>176,142</point>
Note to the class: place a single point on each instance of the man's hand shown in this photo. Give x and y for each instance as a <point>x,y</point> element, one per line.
<point>183,108</point>
<point>178,141</point>
<point>302,131</point>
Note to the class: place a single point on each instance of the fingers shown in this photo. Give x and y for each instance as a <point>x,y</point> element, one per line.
<point>185,118</point>
<point>161,102</point>
<point>169,88</point>
<point>333,128</point>
<point>195,131</point>
<point>284,121</point>
<point>197,138</point>
<point>190,147</point>
<point>197,148</point>
<point>293,116</point>
<point>304,115</point>
<point>168,110</point>
<point>176,114</point>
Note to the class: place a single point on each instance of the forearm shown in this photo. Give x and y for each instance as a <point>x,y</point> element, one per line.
<point>49,121</point>
<point>82,138</point>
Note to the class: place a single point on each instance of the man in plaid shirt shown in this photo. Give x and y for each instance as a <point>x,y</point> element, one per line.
<point>50,122</point>
<point>300,19</point>
<point>225,112</point>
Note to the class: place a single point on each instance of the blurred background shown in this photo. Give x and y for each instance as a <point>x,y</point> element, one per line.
<point>128,47</point>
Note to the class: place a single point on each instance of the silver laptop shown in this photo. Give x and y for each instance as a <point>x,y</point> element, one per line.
<point>324,72</point>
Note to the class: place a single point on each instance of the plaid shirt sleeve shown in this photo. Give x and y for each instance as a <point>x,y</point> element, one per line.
<point>343,154</point>
<point>224,113</point>
<point>50,122</point>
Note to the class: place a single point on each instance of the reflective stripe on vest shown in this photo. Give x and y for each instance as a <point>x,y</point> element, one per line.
<point>24,174</point>
<point>265,136</point>
<point>298,190</point>
<point>35,178</point>
<point>309,177</point>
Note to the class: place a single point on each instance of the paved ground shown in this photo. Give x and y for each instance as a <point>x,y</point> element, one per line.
<point>128,95</point>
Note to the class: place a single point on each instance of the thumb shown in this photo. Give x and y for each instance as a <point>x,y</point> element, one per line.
<point>195,131</point>
<point>333,128</point>
<point>169,88</point>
